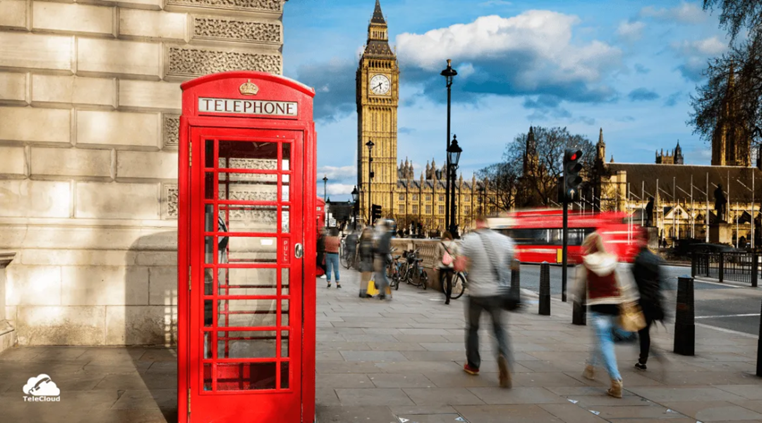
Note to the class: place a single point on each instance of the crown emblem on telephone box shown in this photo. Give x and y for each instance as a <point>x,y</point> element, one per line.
<point>248,88</point>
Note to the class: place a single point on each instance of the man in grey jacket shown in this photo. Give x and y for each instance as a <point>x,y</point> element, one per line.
<point>485,254</point>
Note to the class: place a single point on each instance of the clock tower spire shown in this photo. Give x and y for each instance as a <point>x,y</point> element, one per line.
<point>377,86</point>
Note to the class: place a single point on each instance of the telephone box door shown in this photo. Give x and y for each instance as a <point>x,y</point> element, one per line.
<point>246,275</point>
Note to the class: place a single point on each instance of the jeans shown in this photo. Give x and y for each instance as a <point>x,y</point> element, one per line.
<point>381,280</point>
<point>474,308</point>
<point>445,279</point>
<point>603,327</point>
<point>332,261</point>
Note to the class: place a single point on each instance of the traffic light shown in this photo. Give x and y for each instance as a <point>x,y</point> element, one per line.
<point>375,213</point>
<point>572,166</point>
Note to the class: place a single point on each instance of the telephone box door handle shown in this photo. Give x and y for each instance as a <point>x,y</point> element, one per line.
<point>298,251</point>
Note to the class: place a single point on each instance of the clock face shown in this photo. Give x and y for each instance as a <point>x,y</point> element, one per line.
<point>380,84</point>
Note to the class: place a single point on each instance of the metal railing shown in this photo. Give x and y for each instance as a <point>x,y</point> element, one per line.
<point>742,267</point>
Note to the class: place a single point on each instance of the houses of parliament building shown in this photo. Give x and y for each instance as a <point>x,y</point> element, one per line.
<point>402,196</point>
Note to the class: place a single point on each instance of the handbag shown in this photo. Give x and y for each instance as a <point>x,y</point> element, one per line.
<point>446,257</point>
<point>508,296</point>
<point>631,317</point>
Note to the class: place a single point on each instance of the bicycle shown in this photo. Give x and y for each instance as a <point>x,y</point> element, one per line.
<point>347,260</point>
<point>393,272</point>
<point>416,275</point>
<point>459,284</point>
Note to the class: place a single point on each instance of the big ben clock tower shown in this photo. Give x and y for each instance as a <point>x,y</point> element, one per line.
<point>377,99</point>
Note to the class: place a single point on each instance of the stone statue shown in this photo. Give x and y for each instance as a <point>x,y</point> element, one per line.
<point>650,212</point>
<point>720,203</point>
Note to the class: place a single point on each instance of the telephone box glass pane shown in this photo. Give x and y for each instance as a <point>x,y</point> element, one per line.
<point>284,375</point>
<point>207,377</point>
<point>245,218</point>
<point>285,163</point>
<point>248,155</point>
<point>246,313</point>
<point>236,189</point>
<point>208,313</point>
<point>284,281</point>
<point>284,343</point>
<point>246,344</point>
<point>245,376</point>
<point>285,220</point>
<point>209,153</point>
<point>247,281</point>
<point>242,250</point>
<point>284,313</point>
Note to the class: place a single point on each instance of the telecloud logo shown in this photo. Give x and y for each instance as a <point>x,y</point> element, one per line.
<point>41,389</point>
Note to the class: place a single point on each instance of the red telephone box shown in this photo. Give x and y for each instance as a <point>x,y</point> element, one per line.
<point>246,245</point>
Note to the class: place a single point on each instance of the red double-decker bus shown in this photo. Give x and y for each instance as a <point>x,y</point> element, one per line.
<point>539,238</point>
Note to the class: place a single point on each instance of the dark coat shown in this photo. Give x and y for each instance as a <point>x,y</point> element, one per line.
<point>366,254</point>
<point>647,273</point>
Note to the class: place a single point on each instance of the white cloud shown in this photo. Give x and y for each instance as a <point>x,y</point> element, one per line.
<point>337,173</point>
<point>695,54</point>
<point>339,189</point>
<point>524,54</point>
<point>630,31</point>
<point>685,13</point>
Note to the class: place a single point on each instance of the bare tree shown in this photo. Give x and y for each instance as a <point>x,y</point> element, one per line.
<point>737,107</point>
<point>539,186</point>
<point>501,182</point>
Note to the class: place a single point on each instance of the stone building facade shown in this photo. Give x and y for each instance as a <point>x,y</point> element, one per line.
<point>89,105</point>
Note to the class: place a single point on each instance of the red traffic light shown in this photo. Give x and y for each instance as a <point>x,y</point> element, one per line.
<point>573,157</point>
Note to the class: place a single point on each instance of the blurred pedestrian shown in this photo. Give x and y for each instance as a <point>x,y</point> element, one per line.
<point>332,242</point>
<point>366,250</point>
<point>350,243</point>
<point>607,288</point>
<point>321,252</point>
<point>486,255</point>
<point>445,255</point>
<point>646,271</point>
<point>384,231</point>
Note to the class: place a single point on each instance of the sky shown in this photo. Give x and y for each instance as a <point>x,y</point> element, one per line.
<point>626,66</point>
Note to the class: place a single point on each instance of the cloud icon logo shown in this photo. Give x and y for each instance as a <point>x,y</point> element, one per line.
<point>41,386</point>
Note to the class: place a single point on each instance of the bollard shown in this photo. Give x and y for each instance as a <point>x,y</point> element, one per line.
<point>685,329</point>
<point>722,267</point>
<point>754,269</point>
<point>694,257</point>
<point>515,275</point>
<point>759,350</point>
<point>579,310</point>
<point>545,289</point>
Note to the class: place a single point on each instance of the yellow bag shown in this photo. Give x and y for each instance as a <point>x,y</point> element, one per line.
<point>631,317</point>
<point>372,290</point>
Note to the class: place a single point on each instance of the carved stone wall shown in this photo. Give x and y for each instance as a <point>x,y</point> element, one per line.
<point>99,178</point>
<point>185,62</point>
<point>236,30</point>
<point>263,5</point>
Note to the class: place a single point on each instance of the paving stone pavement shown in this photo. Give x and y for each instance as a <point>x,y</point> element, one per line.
<point>401,361</point>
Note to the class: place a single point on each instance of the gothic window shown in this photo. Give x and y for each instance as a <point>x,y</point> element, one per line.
<point>467,210</point>
<point>468,198</point>
<point>415,197</point>
<point>402,209</point>
<point>441,209</point>
<point>402,197</point>
<point>441,198</point>
<point>428,209</point>
<point>415,209</point>
<point>428,198</point>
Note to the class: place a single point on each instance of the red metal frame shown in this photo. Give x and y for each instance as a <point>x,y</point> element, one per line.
<point>296,401</point>
<point>618,234</point>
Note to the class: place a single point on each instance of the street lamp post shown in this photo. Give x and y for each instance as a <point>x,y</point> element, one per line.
<point>325,198</point>
<point>449,73</point>
<point>453,157</point>
<point>370,145</point>
<point>355,197</point>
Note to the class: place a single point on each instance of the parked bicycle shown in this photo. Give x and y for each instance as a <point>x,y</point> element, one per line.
<point>394,271</point>
<point>459,284</point>
<point>346,258</point>
<point>415,275</point>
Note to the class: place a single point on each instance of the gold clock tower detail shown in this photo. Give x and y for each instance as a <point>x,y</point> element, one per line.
<point>377,99</point>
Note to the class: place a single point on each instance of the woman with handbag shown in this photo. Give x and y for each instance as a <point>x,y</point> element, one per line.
<point>608,295</point>
<point>445,255</point>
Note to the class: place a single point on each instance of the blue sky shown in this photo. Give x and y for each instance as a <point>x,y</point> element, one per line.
<point>628,67</point>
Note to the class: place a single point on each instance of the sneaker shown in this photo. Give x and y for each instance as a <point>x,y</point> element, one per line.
<point>640,366</point>
<point>470,370</point>
<point>338,286</point>
<point>505,374</point>
<point>329,285</point>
